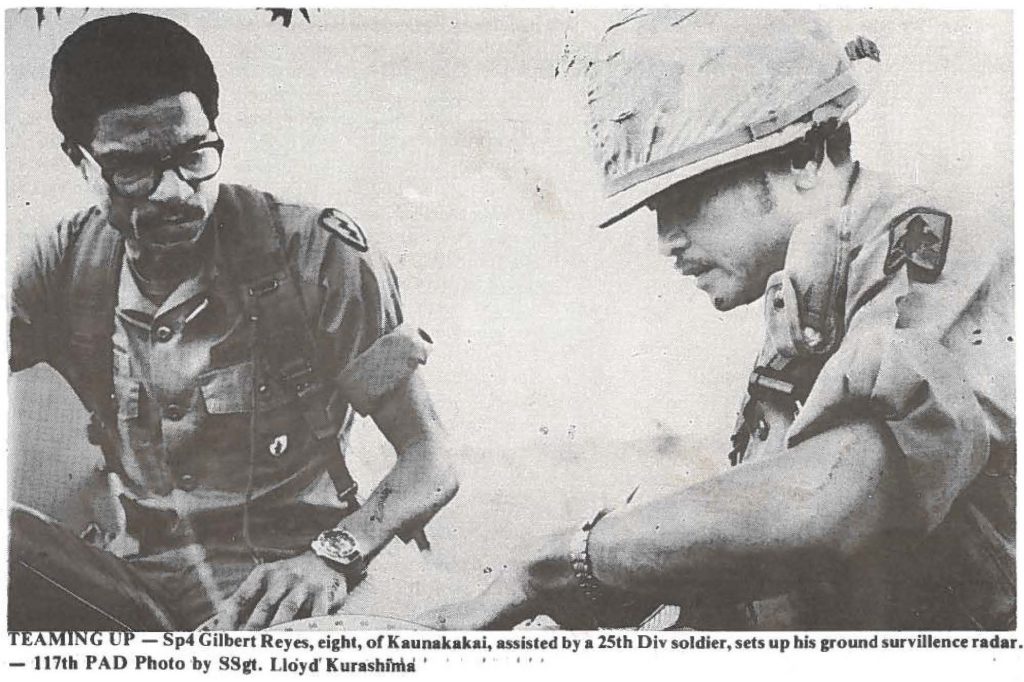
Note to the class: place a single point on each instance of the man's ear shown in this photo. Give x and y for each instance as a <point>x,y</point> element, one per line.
<point>806,177</point>
<point>76,157</point>
<point>92,175</point>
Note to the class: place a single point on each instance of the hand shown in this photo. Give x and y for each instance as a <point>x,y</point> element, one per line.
<point>277,592</point>
<point>542,583</point>
<point>503,604</point>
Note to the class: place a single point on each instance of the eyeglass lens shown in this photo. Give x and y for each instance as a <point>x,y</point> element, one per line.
<point>196,165</point>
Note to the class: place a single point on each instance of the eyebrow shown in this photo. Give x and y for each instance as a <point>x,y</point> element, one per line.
<point>118,156</point>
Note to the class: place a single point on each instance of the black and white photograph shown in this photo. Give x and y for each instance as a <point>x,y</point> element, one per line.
<point>510,319</point>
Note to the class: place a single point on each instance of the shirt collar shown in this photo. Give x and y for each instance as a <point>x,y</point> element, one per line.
<point>131,300</point>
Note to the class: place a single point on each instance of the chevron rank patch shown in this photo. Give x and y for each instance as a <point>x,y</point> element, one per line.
<point>344,228</point>
<point>919,239</point>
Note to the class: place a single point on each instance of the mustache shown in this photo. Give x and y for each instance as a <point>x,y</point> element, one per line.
<point>147,217</point>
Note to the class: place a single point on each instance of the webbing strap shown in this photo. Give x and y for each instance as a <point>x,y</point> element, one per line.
<point>93,278</point>
<point>255,257</point>
<point>270,289</point>
<point>781,379</point>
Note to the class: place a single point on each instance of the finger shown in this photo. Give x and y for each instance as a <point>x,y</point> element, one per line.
<point>461,616</point>
<point>336,595</point>
<point>328,600</point>
<point>435,619</point>
<point>321,604</point>
<point>290,605</point>
<point>500,607</point>
<point>230,612</point>
<point>260,615</point>
<point>464,615</point>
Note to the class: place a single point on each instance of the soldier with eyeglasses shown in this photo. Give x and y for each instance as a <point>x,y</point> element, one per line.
<point>222,341</point>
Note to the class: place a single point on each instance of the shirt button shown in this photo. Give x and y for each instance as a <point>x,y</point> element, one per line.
<point>187,482</point>
<point>164,334</point>
<point>174,412</point>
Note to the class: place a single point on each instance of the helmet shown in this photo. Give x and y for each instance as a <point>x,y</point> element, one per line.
<point>675,93</point>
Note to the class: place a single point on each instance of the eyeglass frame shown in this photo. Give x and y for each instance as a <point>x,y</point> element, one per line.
<point>163,164</point>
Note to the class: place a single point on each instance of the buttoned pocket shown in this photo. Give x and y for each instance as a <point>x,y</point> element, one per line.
<point>227,394</point>
<point>227,390</point>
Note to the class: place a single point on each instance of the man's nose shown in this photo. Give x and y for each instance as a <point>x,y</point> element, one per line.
<point>170,186</point>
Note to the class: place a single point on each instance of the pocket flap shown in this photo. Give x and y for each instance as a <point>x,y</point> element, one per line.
<point>228,390</point>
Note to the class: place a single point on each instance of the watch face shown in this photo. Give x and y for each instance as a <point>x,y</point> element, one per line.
<point>338,546</point>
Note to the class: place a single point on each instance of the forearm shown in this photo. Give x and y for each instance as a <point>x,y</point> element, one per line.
<point>417,487</point>
<point>759,529</point>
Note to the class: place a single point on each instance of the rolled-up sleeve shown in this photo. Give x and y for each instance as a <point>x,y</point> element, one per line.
<point>932,361</point>
<point>358,314</point>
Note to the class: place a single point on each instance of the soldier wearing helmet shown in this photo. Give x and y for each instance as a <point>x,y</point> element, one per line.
<point>872,484</point>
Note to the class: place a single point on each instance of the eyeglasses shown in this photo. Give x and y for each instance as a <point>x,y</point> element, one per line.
<point>139,179</point>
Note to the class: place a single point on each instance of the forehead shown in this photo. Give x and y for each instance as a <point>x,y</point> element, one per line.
<point>702,193</point>
<point>717,209</point>
<point>157,126</point>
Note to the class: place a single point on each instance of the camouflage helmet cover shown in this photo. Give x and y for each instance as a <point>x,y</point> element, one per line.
<point>675,93</point>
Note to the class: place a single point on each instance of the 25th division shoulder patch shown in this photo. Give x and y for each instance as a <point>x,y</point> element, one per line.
<point>344,228</point>
<point>919,238</point>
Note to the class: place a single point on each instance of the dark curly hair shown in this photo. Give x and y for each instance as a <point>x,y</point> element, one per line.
<point>124,60</point>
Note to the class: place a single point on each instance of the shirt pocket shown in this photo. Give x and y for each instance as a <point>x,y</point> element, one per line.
<point>227,394</point>
<point>229,391</point>
<point>223,436</point>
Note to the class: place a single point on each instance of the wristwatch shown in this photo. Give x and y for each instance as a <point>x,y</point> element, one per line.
<point>341,551</point>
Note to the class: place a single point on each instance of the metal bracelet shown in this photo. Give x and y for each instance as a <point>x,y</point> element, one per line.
<point>579,559</point>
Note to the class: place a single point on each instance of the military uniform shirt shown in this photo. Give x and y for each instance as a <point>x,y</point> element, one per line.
<point>184,376</point>
<point>928,355</point>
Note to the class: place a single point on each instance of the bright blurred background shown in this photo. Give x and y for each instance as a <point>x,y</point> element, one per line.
<point>571,364</point>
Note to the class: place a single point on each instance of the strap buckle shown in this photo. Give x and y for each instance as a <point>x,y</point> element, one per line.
<point>300,378</point>
<point>766,382</point>
<point>264,288</point>
<point>764,127</point>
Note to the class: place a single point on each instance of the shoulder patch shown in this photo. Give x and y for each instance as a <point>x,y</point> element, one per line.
<point>919,238</point>
<point>344,228</point>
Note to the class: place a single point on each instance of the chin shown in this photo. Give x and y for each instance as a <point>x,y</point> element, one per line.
<point>743,295</point>
<point>722,303</point>
<point>723,300</point>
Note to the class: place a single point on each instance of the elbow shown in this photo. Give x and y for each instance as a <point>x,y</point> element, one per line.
<point>442,473</point>
<point>862,506</point>
<point>430,484</point>
<point>447,478</point>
